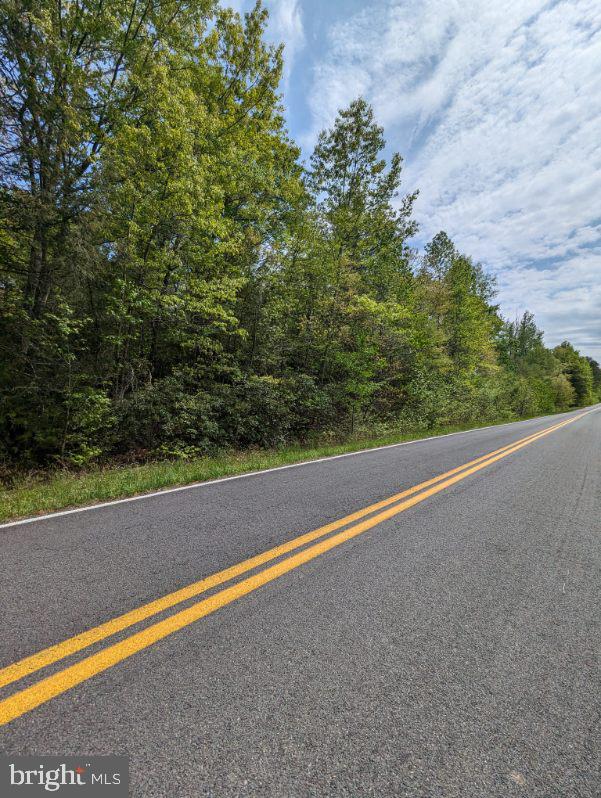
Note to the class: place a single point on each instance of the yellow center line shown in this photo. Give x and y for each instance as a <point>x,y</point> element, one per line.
<point>31,697</point>
<point>72,645</point>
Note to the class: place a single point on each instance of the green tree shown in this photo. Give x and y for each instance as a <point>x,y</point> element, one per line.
<point>457,294</point>
<point>596,373</point>
<point>520,341</point>
<point>146,166</point>
<point>362,255</point>
<point>172,280</point>
<point>578,371</point>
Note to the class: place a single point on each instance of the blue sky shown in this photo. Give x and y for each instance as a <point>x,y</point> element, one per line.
<point>496,108</point>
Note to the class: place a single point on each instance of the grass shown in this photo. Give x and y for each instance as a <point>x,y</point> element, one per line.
<point>38,494</point>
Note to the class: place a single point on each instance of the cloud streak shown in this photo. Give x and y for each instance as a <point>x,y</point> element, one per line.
<point>286,25</point>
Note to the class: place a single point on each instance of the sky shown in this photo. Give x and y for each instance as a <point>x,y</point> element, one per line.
<point>496,109</point>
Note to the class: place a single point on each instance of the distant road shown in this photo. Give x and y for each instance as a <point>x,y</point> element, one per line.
<point>419,620</point>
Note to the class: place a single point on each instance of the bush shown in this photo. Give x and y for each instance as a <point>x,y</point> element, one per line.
<point>562,391</point>
<point>175,417</point>
<point>89,420</point>
<point>168,417</point>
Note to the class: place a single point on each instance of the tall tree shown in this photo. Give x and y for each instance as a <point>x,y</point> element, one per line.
<point>596,373</point>
<point>366,225</point>
<point>578,370</point>
<point>358,194</point>
<point>458,297</point>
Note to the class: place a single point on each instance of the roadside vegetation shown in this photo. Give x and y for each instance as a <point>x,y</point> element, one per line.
<point>45,491</point>
<point>175,283</point>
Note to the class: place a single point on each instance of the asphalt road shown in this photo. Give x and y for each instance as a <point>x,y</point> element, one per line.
<point>452,648</point>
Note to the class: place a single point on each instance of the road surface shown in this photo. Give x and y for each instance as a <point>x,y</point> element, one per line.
<point>444,642</point>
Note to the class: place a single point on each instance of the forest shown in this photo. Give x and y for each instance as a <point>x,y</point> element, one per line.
<point>175,279</point>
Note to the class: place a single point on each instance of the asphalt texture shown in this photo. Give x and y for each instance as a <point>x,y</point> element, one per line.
<point>451,651</point>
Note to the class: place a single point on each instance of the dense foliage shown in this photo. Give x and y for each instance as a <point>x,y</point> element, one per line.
<point>174,280</point>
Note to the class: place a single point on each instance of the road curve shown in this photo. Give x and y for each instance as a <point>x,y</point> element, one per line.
<point>421,620</point>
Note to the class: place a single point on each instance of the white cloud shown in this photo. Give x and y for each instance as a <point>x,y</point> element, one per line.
<point>567,300</point>
<point>236,5</point>
<point>286,25</point>
<point>498,107</point>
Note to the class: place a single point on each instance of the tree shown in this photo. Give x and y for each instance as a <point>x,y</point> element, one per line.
<point>520,340</point>
<point>364,227</point>
<point>578,371</point>
<point>596,373</point>
<point>438,256</point>
<point>457,294</point>
<point>367,222</point>
<point>146,165</point>
<point>172,280</point>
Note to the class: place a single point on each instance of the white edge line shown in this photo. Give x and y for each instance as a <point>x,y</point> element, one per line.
<point>204,483</point>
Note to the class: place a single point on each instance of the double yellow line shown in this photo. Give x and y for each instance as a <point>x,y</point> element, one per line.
<point>59,682</point>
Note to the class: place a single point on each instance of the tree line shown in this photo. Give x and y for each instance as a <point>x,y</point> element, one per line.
<point>174,279</point>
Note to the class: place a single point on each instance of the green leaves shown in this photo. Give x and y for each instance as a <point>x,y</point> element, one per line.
<point>172,279</point>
